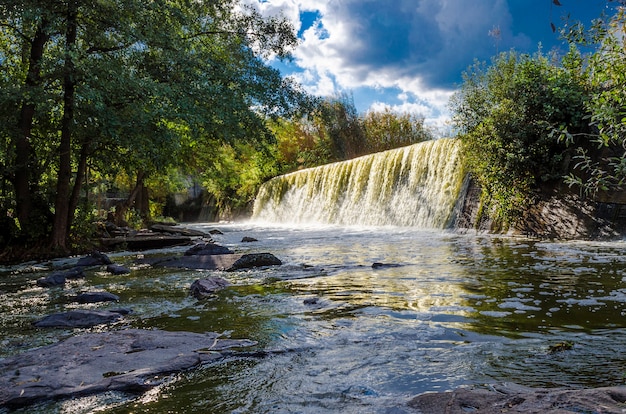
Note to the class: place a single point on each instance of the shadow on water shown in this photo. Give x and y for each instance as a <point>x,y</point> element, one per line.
<point>339,335</point>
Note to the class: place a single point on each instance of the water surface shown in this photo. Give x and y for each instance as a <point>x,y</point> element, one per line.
<point>450,310</point>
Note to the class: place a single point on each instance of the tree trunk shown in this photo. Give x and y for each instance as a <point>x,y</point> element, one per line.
<point>122,208</point>
<point>22,180</point>
<point>81,174</point>
<point>60,228</point>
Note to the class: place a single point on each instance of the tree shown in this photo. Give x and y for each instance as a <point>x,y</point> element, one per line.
<point>387,130</point>
<point>506,113</point>
<point>127,85</point>
<point>601,159</point>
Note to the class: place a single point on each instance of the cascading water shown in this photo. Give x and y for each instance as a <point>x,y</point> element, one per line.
<point>414,186</point>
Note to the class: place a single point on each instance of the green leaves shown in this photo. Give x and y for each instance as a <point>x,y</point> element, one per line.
<point>507,113</point>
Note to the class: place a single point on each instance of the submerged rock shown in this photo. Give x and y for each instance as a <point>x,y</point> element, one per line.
<point>379,265</point>
<point>203,288</point>
<point>511,398</point>
<point>133,360</point>
<point>95,297</point>
<point>78,319</point>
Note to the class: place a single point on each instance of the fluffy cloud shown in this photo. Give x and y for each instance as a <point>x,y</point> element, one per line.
<point>416,48</point>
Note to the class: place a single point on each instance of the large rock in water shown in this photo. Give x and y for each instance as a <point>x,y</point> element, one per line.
<point>79,318</point>
<point>132,360</point>
<point>512,399</point>
<point>227,262</point>
<point>205,288</point>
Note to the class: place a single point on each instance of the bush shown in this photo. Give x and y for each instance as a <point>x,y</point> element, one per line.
<point>506,114</point>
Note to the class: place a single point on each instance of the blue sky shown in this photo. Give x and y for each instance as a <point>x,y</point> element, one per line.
<point>409,55</point>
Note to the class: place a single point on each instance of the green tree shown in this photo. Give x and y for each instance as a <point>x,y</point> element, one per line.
<point>506,113</point>
<point>126,85</point>
<point>387,130</point>
<point>601,159</point>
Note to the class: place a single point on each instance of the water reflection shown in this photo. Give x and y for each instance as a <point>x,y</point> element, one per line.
<point>346,337</point>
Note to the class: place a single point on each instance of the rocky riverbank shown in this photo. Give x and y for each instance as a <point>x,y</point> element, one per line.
<point>115,357</point>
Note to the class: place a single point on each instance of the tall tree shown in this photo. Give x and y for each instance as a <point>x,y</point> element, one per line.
<point>131,85</point>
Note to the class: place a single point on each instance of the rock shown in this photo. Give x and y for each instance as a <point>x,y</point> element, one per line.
<point>145,241</point>
<point>117,269</point>
<point>54,279</point>
<point>227,262</point>
<point>58,278</point>
<point>248,239</point>
<point>94,259</point>
<point>175,229</point>
<point>78,319</point>
<point>95,297</point>
<point>378,265</point>
<point>511,398</point>
<point>207,249</point>
<point>203,288</point>
<point>215,231</point>
<point>311,301</point>
<point>132,360</point>
<point>249,261</point>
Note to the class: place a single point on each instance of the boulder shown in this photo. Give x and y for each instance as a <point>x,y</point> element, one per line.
<point>203,288</point>
<point>117,269</point>
<point>226,262</point>
<point>95,297</point>
<point>53,279</point>
<point>132,360</point>
<point>511,398</point>
<point>201,249</point>
<point>175,229</point>
<point>78,319</point>
<point>94,259</point>
<point>247,239</point>
<point>58,278</point>
<point>249,261</point>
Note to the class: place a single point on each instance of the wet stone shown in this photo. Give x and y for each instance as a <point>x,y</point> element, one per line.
<point>78,319</point>
<point>117,269</point>
<point>95,297</point>
<point>203,288</point>
<point>94,259</point>
<point>133,360</point>
<point>202,249</point>
<point>58,278</point>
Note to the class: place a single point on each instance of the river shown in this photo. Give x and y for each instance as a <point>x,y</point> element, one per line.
<point>446,310</point>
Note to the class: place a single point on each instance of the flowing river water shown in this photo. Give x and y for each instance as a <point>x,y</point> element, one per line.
<point>449,310</point>
<point>338,335</point>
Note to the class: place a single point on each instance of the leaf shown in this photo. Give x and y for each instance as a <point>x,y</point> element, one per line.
<point>553,27</point>
<point>556,2</point>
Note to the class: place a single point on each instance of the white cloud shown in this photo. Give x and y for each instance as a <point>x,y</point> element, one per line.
<point>417,47</point>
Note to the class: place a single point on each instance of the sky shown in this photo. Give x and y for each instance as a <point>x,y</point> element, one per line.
<point>409,55</point>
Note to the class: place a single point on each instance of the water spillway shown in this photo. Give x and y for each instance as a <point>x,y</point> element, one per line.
<point>414,186</point>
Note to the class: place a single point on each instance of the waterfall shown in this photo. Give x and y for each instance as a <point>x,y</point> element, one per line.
<point>414,186</point>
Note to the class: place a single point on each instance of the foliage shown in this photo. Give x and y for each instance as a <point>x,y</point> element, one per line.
<point>387,130</point>
<point>506,113</point>
<point>336,132</point>
<point>126,86</point>
<point>601,163</point>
